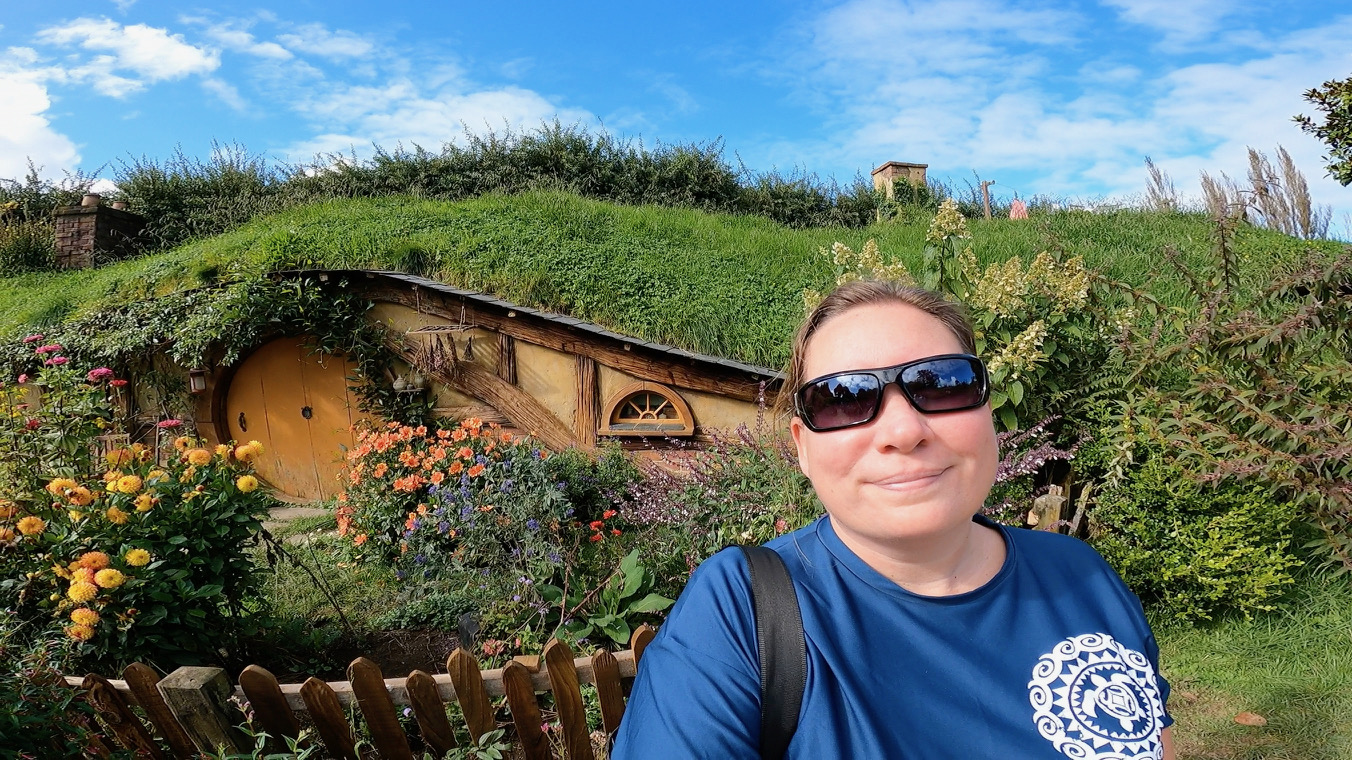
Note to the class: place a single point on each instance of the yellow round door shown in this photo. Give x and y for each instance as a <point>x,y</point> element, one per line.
<point>297,403</point>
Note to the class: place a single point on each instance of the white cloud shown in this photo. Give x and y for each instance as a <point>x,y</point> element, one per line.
<point>26,132</point>
<point>317,39</point>
<point>1180,21</point>
<point>148,54</point>
<point>241,41</point>
<point>400,112</point>
<point>227,92</point>
<point>124,5</point>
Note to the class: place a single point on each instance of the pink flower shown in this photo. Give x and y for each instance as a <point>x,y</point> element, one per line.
<point>100,373</point>
<point>23,379</point>
<point>33,423</point>
<point>56,361</point>
<point>33,338</point>
<point>53,348</point>
<point>169,424</point>
<point>117,383</point>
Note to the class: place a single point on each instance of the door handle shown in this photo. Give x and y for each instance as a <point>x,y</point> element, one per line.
<point>243,426</point>
<point>306,412</point>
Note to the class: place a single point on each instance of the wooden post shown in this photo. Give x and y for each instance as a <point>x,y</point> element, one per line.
<point>198,698</point>
<point>588,414</point>
<point>986,196</point>
<point>1046,511</point>
<point>507,357</point>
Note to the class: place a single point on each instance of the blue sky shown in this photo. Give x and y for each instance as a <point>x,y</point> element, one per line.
<point>1057,98</point>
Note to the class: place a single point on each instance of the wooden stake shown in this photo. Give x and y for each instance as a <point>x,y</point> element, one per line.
<point>198,698</point>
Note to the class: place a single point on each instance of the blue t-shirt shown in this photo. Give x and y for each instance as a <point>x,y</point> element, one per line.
<point>1051,658</point>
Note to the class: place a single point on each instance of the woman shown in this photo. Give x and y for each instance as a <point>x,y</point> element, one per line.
<point>931,632</point>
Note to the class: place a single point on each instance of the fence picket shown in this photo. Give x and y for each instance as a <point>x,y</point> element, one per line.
<point>568,701</point>
<point>141,680</point>
<point>269,705</point>
<point>525,712</point>
<point>609,692</point>
<point>329,719</point>
<point>430,712</point>
<point>382,719</point>
<point>640,640</point>
<point>118,717</point>
<point>469,691</point>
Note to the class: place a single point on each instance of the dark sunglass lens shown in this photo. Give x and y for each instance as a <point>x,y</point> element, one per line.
<point>840,401</point>
<point>944,384</point>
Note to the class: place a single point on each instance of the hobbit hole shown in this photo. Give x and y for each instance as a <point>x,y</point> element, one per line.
<point>647,409</point>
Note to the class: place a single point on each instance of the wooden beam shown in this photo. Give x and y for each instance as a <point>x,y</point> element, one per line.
<point>525,412</point>
<point>630,358</point>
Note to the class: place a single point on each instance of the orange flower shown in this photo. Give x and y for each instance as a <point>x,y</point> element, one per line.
<point>93,560</point>
<point>80,632</point>
<point>458,435</point>
<point>443,434</point>
<point>437,478</point>
<point>609,513</point>
<point>476,471</point>
<point>381,469</point>
<point>80,496</point>
<point>455,468</point>
<point>31,525</point>
<point>199,457</point>
<point>116,516</point>
<point>597,537</point>
<point>360,539</point>
<point>596,525</point>
<point>615,531</point>
<point>506,437</point>
<point>420,430</point>
<point>465,452</point>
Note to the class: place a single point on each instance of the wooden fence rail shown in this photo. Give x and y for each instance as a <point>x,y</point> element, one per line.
<point>188,709</point>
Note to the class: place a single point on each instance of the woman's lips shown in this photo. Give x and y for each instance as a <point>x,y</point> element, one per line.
<point>915,479</point>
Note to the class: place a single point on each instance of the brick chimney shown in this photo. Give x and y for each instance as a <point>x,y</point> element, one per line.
<point>92,231</point>
<point>884,176</point>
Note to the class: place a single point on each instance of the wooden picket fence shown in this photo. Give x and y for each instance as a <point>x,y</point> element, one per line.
<point>189,709</point>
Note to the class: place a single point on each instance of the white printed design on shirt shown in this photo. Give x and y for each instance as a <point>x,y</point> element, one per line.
<point>1096,699</point>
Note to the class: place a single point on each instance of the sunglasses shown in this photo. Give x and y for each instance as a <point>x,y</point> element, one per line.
<point>935,384</point>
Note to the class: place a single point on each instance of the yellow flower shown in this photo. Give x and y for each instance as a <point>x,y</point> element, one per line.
<point>120,457</point>
<point>256,446</point>
<point>155,474</point>
<point>93,560</point>
<point>137,557</point>
<point>75,515</point>
<point>224,451</point>
<point>110,476</point>
<point>189,473</point>
<point>182,442</point>
<point>6,535</point>
<point>109,578</point>
<point>199,457</point>
<point>84,616</point>
<point>116,516</point>
<point>129,484</point>
<point>246,483</point>
<point>144,502</point>
<point>31,525</point>
<point>80,632</point>
<point>80,496</point>
<point>82,592</point>
<point>59,486</point>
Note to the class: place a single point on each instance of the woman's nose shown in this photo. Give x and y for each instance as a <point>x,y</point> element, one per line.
<point>899,424</point>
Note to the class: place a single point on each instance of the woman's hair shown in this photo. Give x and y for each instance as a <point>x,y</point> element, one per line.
<point>856,293</point>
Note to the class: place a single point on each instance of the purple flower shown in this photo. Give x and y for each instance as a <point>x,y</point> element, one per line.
<point>33,338</point>
<point>506,486</point>
<point>516,597</point>
<point>443,526</point>
<point>399,575</point>
<point>532,525</point>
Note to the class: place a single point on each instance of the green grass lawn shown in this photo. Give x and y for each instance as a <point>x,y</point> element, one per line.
<point>1293,667</point>
<point>725,285</point>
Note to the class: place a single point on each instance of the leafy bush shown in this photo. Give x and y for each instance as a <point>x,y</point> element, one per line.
<point>1194,550</point>
<point>26,246</point>
<point>130,556</point>
<point>43,717</point>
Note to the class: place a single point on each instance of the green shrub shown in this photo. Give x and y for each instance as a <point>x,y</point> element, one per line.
<point>26,246</point>
<point>1192,550</point>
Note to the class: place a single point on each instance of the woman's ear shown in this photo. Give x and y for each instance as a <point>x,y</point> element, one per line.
<point>798,430</point>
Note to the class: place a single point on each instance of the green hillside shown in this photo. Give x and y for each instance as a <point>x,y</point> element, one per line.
<point>725,285</point>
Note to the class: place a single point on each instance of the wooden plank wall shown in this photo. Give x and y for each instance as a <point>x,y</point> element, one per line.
<point>277,707</point>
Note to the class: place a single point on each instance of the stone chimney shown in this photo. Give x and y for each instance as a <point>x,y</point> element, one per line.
<point>884,176</point>
<point>91,231</point>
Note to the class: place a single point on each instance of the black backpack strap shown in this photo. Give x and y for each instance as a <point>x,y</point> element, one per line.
<point>783,650</point>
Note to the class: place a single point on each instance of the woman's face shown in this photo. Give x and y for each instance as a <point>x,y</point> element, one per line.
<point>904,475</point>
